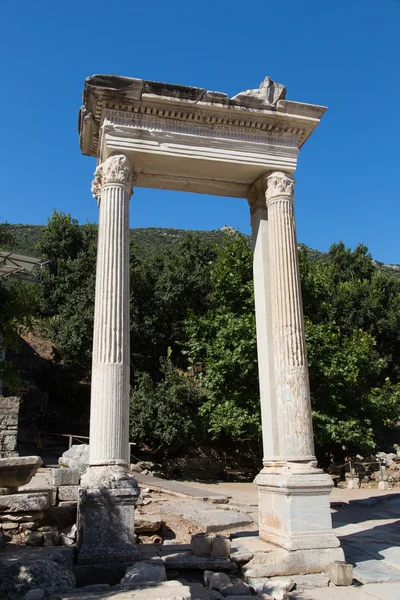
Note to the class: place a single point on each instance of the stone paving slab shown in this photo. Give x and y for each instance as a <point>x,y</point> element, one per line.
<point>207,517</point>
<point>180,489</point>
<point>387,591</point>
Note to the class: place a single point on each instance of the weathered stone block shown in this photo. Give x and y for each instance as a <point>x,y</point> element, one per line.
<point>145,571</point>
<point>68,493</point>
<point>216,581</point>
<point>77,458</point>
<point>25,502</point>
<point>341,573</point>
<point>61,477</point>
<point>106,525</point>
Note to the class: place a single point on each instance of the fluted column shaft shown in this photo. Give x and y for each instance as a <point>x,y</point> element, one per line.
<point>291,382</point>
<point>109,409</point>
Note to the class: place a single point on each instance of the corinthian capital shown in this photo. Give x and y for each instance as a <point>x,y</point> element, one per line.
<point>256,194</point>
<point>117,170</point>
<point>279,184</point>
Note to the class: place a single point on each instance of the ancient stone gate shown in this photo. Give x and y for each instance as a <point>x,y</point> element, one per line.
<point>150,134</point>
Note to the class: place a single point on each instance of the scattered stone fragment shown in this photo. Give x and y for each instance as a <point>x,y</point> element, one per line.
<point>136,468</point>
<point>145,570</point>
<point>50,538</point>
<point>240,554</point>
<point>25,573</point>
<point>33,538</point>
<point>64,540</point>
<point>239,588</point>
<point>147,522</point>
<point>2,540</point>
<point>216,581</point>
<point>341,573</point>
<point>77,457</point>
<point>274,586</point>
<point>70,531</point>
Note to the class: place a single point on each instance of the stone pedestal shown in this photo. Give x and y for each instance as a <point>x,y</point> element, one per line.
<point>106,516</point>
<point>108,491</point>
<point>294,507</point>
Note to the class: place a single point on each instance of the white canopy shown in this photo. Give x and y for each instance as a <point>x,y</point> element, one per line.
<point>18,266</point>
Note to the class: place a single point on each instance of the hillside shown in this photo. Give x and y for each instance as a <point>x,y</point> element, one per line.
<point>146,240</point>
<point>153,239</point>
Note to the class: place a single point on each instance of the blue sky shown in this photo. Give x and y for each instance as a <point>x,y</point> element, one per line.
<point>344,54</point>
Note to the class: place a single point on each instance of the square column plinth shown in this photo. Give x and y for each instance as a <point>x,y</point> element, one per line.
<point>294,509</point>
<point>106,518</point>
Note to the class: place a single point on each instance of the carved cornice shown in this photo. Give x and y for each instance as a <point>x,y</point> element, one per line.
<point>280,185</point>
<point>114,170</point>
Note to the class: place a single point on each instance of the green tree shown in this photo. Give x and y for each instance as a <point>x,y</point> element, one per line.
<point>165,413</point>
<point>222,345</point>
<point>68,289</point>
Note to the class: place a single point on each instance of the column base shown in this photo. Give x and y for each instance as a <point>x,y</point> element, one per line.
<point>291,562</point>
<point>106,516</point>
<point>294,508</point>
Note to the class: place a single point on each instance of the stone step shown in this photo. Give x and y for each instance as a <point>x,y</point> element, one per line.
<point>165,590</point>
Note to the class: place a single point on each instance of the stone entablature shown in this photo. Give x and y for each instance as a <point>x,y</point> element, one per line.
<point>198,140</point>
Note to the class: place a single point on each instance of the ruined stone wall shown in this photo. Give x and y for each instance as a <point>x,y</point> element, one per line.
<point>9,409</point>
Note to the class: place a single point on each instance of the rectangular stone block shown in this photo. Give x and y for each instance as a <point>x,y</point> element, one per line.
<point>106,526</point>
<point>68,493</point>
<point>341,573</point>
<point>25,502</point>
<point>60,477</point>
<point>52,491</point>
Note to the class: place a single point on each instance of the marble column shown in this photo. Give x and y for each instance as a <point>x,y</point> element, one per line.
<point>294,508</point>
<point>108,491</point>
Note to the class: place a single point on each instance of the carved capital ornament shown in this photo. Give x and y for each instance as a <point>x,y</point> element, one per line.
<point>280,185</point>
<point>115,170</point>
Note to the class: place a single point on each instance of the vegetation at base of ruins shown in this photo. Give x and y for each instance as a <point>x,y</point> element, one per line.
<point>193,345</point>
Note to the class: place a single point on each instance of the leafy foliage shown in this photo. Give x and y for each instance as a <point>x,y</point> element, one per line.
<point>222,344</point>
<point>165,414</point>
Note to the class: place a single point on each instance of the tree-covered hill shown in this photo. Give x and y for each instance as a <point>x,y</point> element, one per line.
<point>154,240</point>
<point>150,240</point>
